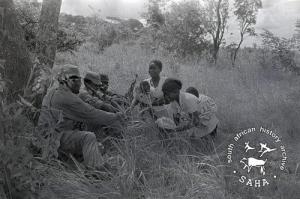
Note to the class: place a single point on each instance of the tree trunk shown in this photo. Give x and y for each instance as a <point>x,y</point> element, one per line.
<point>215,51</point>
<point>2,193</point>
<point>237,50</point>
<point>46,50</point>
<point>47,34</point>
<point>217,38</point>
<point>13,52</point>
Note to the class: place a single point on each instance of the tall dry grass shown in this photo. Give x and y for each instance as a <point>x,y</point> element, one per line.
<point>248,95</point>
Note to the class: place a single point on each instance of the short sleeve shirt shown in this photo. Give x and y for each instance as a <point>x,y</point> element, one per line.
<point>156,92</point>
<point>141,97</point>
<point>188,104</point>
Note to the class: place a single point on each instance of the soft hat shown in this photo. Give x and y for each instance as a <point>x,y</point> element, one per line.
<point>70,70</point>
<point>93,77</point>
<point>67,71</point>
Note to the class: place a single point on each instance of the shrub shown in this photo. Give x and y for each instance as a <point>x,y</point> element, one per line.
<point>18,174</point>
<point>184,33</point>
<point>279,50</point>
<point>71,28</point>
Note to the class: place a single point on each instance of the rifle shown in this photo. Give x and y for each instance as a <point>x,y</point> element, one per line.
<point>99,96</point>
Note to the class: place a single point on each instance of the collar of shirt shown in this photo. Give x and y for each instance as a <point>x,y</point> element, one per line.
<point>64,88</point>
<point>156,91</point>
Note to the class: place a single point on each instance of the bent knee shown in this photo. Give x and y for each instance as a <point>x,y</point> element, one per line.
<point>89,135</point>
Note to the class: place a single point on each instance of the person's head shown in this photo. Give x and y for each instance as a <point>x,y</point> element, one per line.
<point>193,91</point>
<point>145,87</point>
<point>171,89</point>
<point>70,76</point>
<point>104,82</point>
<point>155,67</point>
<point>92,80</point>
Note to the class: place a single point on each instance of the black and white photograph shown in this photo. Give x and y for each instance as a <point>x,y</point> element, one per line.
<point>149,99</point>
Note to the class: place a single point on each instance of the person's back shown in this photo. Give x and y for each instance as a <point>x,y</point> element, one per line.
<point>51,113</point>
<point>193,91</point>
<point>207,102</point>
<point>208,110</point>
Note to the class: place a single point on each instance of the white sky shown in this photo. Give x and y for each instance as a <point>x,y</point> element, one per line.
<point>278,16</point>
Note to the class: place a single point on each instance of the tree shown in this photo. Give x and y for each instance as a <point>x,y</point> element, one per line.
<point>40,75</point>
<point>282,56</point>
<point>296,36</point>
<point>154,15</point>
<point>71,29</point>
<point>47,33</point>
<point>155,22</point>
<point>184,32</point>
<point>28,13</point>
<point>216,22</point>
<point>245,11</point>
<point>13,51</point>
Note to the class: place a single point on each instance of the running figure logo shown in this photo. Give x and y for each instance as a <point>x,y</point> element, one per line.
<point>256,157</point>
<point>266,149</point>
<point>253,162</point>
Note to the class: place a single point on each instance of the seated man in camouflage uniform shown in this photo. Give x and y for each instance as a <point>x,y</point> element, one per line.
<point>114,99</point>
<point>91,94</point>
<point>64,111</point>
<point>104,85</point>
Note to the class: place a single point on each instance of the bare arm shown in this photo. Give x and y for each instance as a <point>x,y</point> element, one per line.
<point>134,103</point>
<point>158,102</point>
<point>192,122</point>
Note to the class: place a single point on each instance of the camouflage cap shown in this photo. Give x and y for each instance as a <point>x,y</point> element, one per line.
<point>104,77</point>
<point>93,77</point>
<point>70,70</point>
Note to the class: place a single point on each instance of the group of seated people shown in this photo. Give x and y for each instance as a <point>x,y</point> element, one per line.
<point>172,108</point>
<point>78,113</point>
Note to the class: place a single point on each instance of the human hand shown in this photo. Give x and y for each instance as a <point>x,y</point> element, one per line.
<point>120,116</point>
<point>101,147</point>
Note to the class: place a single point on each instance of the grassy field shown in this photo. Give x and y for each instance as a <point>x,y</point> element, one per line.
<point>247,96</point>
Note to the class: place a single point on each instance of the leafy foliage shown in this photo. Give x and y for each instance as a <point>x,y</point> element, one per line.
<point>105,33</point>
<point>154,16</point>
<point>28,15</point>
<point>18,174</point>
<point>185,33</point>
<point>282,56</point>
<point>68,38</point>
<point>296,36</point>
<point>245,11</point>
<point>178,28</point>
<point>216,19</point>
<point>147,166</point>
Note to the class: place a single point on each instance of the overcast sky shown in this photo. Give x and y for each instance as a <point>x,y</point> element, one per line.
<point>278,16</point>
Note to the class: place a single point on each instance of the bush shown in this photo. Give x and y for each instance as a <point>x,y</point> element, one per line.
<point>184,33</point>
<point>19,176</point>
<point>105,33</point>
<point>71,28</point>
<point>279,52</point>
<point>180,29</point>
